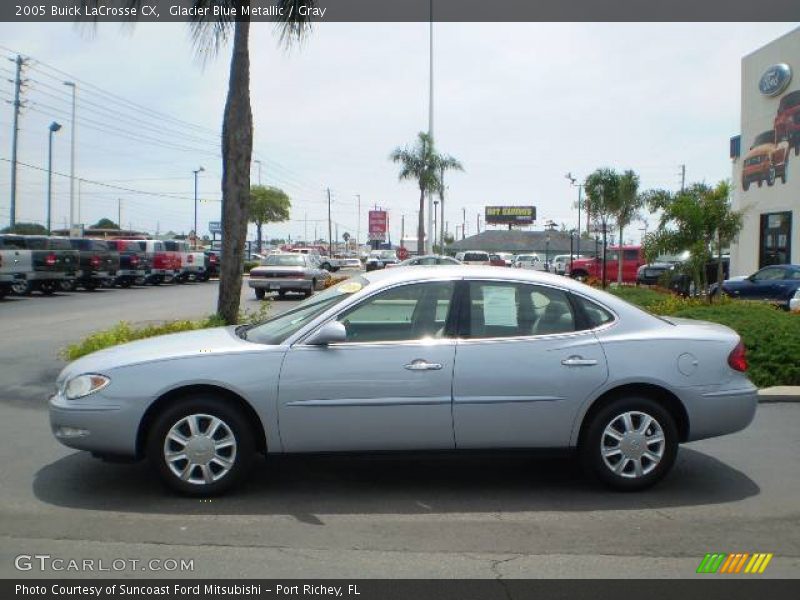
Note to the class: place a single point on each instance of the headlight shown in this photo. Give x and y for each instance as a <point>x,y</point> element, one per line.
<point>83,385</point>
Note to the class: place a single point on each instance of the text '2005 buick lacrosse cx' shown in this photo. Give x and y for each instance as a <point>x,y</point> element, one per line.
<point>446,358</point>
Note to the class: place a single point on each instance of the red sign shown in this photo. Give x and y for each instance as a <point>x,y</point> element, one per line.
<point>378,220</point>
<point>402,253</point>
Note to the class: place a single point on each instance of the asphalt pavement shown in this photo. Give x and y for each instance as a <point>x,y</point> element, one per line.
<point>371,516</point>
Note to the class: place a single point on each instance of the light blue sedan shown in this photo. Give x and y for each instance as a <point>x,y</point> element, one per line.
<point>452,358</point>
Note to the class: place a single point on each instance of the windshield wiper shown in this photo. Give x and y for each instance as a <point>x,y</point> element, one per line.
<point>242,330</point>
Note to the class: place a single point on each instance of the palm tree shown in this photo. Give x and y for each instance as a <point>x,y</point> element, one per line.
<point>628,205</point>
<point>237,125</point>
<point>423,165</point>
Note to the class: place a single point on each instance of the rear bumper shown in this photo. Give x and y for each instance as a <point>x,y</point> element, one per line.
<point>130,273</point>
<point>714,412</point>
<point>43,276</point>
<point>281,284</point>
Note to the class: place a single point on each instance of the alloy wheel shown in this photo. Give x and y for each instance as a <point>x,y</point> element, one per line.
<point>632,444</point>
<point>200,449</point>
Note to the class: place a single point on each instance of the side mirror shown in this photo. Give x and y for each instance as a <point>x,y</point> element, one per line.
<point>331,333</point>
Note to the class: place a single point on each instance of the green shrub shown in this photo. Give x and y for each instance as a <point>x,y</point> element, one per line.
<point>250,264</point>
<point>124,332</point>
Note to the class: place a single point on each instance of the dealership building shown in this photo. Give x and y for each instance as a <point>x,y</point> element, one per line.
<point>766,158</point>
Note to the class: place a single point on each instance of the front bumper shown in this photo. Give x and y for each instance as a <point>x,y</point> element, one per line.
<point>95,424</point>
<point>277,284</point>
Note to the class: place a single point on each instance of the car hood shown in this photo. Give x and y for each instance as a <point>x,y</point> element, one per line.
<point>218,340</point>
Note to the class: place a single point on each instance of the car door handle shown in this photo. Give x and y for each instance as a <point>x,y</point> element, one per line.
<point>578,361</point>
<point>422,365</point>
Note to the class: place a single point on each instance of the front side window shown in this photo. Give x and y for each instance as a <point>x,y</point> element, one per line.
<point>409,312</point>
<point>507,309</point>
<point>770,274</point>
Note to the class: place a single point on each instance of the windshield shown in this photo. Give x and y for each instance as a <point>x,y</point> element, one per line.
<point>279,328</point>
<point>285,260</point>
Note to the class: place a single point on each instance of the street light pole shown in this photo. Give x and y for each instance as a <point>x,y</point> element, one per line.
<point>573,181</point>
<point>258,162</point>
<point>54,127</point>
<point>74,87</point>
<point>196,172</point>
<point>428,238</point>
<point>435,214</point>
<point>358,223</point>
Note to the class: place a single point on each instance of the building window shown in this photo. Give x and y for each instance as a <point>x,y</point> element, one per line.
<point>776,234</point>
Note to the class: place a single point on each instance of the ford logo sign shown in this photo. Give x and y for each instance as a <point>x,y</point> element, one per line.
<point>775,79</point>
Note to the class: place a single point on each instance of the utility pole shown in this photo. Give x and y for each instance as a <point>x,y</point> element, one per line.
<point>305,226</point>
<point>428,239</point>
<point>330,231</point>
<point>20,62</point>
<point>479,223</point>
<point>683,177</point>
<point>72,85</point>
<point>358,223</point>
<point>402,230</point>
<point>463,222</point>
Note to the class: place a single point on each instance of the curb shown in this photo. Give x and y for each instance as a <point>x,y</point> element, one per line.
<point>779,394</point>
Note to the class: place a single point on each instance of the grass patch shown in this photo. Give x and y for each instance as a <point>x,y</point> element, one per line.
<point>771,335</point>
<point>124,332</point>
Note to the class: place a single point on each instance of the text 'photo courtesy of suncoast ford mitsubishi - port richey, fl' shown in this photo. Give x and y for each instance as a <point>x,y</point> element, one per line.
<point>426,299</point>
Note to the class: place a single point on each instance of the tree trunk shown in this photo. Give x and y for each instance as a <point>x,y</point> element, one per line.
<point>421,223</point>
<point>237,148</point>
<point>259,224</point>
<point>720,275</point>
<point>620,258</point>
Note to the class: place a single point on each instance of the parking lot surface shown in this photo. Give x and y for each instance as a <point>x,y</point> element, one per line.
<point>370,516</point>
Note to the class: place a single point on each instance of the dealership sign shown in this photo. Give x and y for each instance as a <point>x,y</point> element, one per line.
<point>775,79</point>
<point>510,215</point>
<point>378,224</point>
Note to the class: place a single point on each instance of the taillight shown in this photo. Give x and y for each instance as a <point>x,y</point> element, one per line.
<point>212,258</point>
<point>737,359</point>
<point>190,259</point>
<point>95,262</point>
<point>50,260</point>
<point>134,260</point>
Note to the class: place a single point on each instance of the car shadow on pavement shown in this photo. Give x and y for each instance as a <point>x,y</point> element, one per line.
<point>303,486</point>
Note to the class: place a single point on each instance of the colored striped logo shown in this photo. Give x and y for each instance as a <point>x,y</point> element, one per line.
<point>741,562</point>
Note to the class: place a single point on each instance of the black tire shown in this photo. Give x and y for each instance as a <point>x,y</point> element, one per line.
<point>125,283</point>
<point>90,285</point>
<point>771,177</point>
<point>593,439</point>
<point>67,285</point>
<point>47,288</point>
<point>760,182</point>
<point>745,185</point>
<point>21,288</point>
<point>260,293</point>
<point>233,421</point>
<point>282,294</point>
<point>580,275</point>
<point>796,149</point>
<point>785,169</point>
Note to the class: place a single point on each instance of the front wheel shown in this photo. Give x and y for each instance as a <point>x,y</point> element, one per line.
<point>630,444</point>
<point>21,287</point>
<point>48,288</point>
<point>580,276</point>
<point>201,446</point>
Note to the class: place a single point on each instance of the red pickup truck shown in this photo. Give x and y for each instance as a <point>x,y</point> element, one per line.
<point>586,268</point>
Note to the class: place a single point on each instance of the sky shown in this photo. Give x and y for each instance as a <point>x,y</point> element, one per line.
<point>519,104</point>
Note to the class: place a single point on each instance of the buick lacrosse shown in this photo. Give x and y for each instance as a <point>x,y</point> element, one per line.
<point>453,358</point>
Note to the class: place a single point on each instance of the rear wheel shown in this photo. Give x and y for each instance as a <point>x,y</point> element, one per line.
<point>282,294</point>
<point>90,285</point>
<point>21,287</point>
<point>67,285</point>
<point>201,446</point>
<point>630,444</point>
<point>125,283</point>
<point>260,293</point>
<point>580,275</point>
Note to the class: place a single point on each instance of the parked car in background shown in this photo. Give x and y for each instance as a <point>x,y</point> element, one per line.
<point>133,262</point>
<point>370,365</point>
<point>379,259</point>
<point>98,264</point>
<point>561,263</point>
<point>765,161</point>
<point>475,257</point>
<point>192,262</point>
<point>775,283</point>
<point>161,264</point>
<point>350,263</point>
<point>496,260</point>
<point>212,261</point>
<point>427,260</point>
<point>651,273</point>
<point>794,302</point>
<point>6,276</point>
<point>289,272</point>
<point>528,261</point>
<point>37,262</point>
<point>592,267</point>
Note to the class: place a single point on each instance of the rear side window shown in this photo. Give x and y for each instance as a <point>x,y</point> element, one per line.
<point>475,256</point>
<point>498,309</point>
<point>594,315</point>
<point>630,254</point>
<point>12,243</point>
<point>59,244</point>
<point>99,245</point>
<point>79,244</point>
